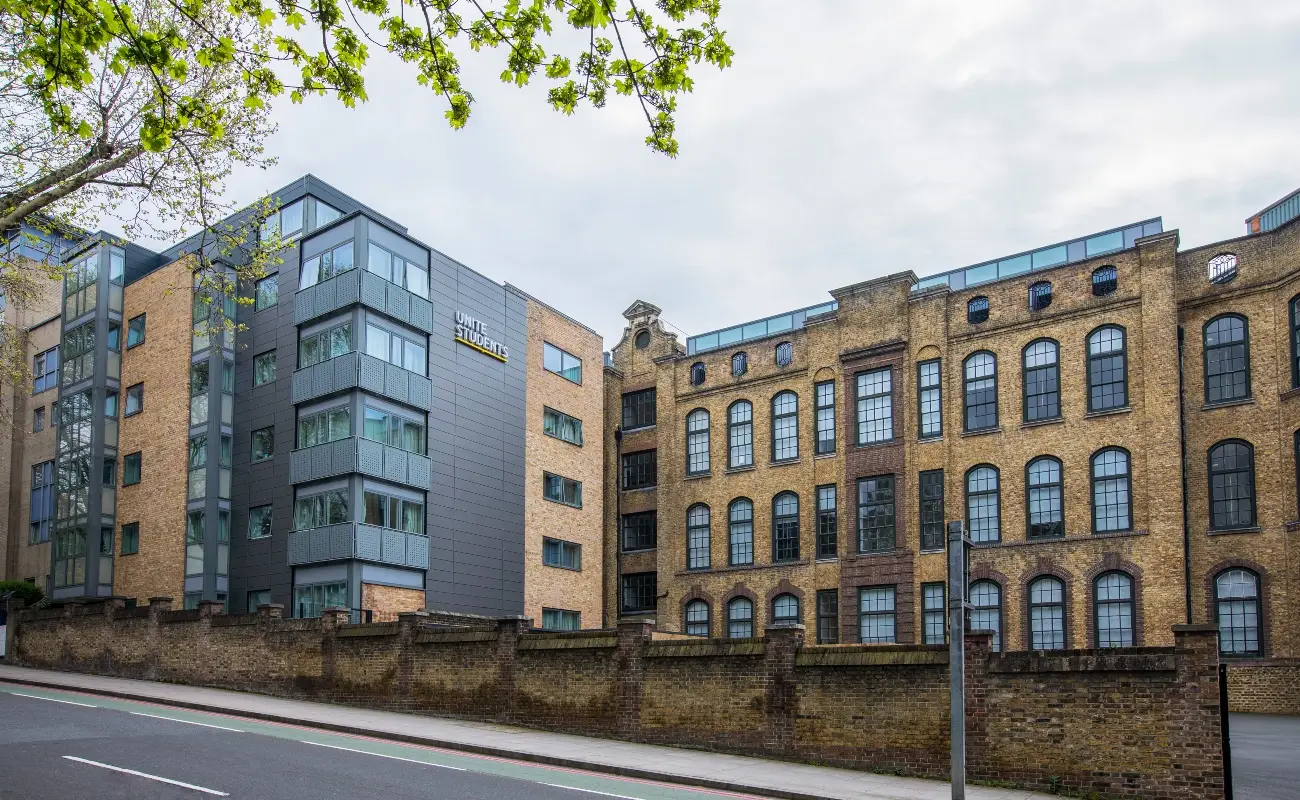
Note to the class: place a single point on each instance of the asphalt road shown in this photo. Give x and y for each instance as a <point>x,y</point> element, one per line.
<point>1265,756</point>
<point>58,744</point>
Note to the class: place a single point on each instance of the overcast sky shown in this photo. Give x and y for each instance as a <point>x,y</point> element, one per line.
<point>851,139</point>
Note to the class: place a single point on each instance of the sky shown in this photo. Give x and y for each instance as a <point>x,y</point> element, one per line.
<point>851,139</point>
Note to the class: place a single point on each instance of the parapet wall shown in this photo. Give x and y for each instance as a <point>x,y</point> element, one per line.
<point>1141,722</point>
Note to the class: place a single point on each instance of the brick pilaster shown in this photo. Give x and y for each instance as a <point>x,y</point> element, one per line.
<point>782,687</point>
<point>157,605</point>
<point>331,619</point>
<point>978,650</point>
<point>629,669</point>
<point>1198,740</point>
<point>13,610</point>
<point>408,624</point>
<point>509,631</point>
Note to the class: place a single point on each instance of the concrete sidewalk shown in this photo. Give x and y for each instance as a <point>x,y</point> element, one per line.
<point>674,765</point>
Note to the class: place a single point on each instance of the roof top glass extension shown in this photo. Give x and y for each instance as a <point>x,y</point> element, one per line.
<point>1085,247</point>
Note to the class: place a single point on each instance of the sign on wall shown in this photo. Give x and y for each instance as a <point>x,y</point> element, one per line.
<point>473,333</point>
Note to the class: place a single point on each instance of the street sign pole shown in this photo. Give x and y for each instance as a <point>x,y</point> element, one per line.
<point>958,575</point>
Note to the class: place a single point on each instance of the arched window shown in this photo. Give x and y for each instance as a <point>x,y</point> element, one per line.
<point>986,610</point>
<point>1044,511</point>
<point>981,396</point>
<point>1222,268</point>
<point>1295,342</point>
<point>697,373</point>
<point>1040,295</point>
<point>740,618</point>
<point>739,364</point>
<point>1232,485</point>
<point>784,354</point>
<point>1042,380</point>
<point>977,310</point>
<point>697,618</point>
<point>1112,504</point>
<point>697,537</point>
<point>983,509</point>
<point>1227,359</point>
<point>740,435</point>
<point>1107,369</point>
<point>1236,608</point>
<point>740,532</point>
<point>1047,614</point>
<point>1113,609</point>
<point>785,610</point>
<point>697,442</point>
<point>785,426</point>
<point>785,527</point>
<point>1105,280</point>
<point>642,340</point>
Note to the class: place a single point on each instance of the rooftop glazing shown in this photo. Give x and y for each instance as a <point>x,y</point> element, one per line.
<point>1068,252</point>
<point>1284,210</point>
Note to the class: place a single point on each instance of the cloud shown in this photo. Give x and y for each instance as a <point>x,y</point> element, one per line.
<point>849,140</point>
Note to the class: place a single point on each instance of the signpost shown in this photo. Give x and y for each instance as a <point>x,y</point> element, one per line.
<point>959,545</point>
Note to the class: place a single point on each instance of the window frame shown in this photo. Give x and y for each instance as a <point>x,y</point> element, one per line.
<point>829,408</point>
<point>1113,280</point>
<point>922,390</point>
<point>928,612</point>
<point>643,465</point>
<point>1097,603</point>
<point>891,502</point>
<point>559,426</point>
<point>130,328</point>
<point>828,524</point>
<point>1293,311</point>
<point>137,390</point>
<point>1059,485</point>
<point>252,445</point>
<point>1037,295</point>
<point>561,372</point>
<point>1258,600</point>
<point>134,527</point>
<point>1025,371</point>
<point>999,637</point>
<point>1090,358</point>
<point>634,401</point>
<point>788,348</point>
<point>966,392</point>
<point>653,537</point>
<point>270,512</point>
<point>693,527</point>
<point>698,374</point>
<point>778,534</point>
<point>732,428</point>
<point>972,312</point>
<point>996,493</point>
<point>692,442</point>
<point>732,619</point>
<point>739,363</point>
<point>1063,605</point>
<point>732,523</point>
<point>1210,473</point>
<point>786,619</point>
<point>862,436</point>
<point>38,419</point>
<point>922,500</point>
<point>564,485</point>
<point>43,377</point>
<point>1092,487</point>
<point>653,582</point>
<point>891,613</point>
<point>274,279</point>
<point>139,468</point>
<point>260,358</point>
<point>1206,347</point>
<point>776,418</point>
<point>570,551</point>
<point>832,620</point>
<point>688,622</point>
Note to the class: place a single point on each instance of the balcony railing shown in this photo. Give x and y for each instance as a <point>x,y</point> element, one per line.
<point>360,286</point>
<point>356,540</point>
<point>363,456</point>
<point>358,370</point>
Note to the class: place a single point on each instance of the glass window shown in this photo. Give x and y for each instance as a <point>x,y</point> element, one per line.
<point>263,444</point>
<point>828,616</point>
<point>561,426</point>
<point>1047,614</point>
<point>876,514</point>
<point>267,293</point>
<point>258,598</point>
<point>875,407</point>
<point>387,511</point>
<point>1111,501</point>
<point>130,538</point>
<point>740,532</point>
<point>325,214</point>
<point>977,310</point>
<point>785,610</point>
<point>259,522</point>
<point>640,470</point>
<point>785,527</point>
<point>740,618</point>
<point>310,601</point>
<point>933,613</point>
<point>561,362</point>
<point>740,434</point>
<point>326,426</point>
<point>639,592</point>
<point>199,392</point>
<point>697,373</point>
<point>291,219</point>
<point>1222,268</point>
<point>1113,602</point>
<point>38,419</point>
<point>558,489</point>
<point>1107,369</point>
<point>134,399</point>
<point>1105,280</point>
<point>640,531</point>
<point>135,331</point>
<point>41,508</point>
<point>642,340</point>
<point>698,537</point>
<point>1236,608</point>
<point>555,619</point>
<point>1232,485</point>
<point>131,469</point>
<point>697,618</point>
<point>825,401</point>
<point>785,426</point>
<point>45,370</point>
<point>198,467</point>
<point>986,610</point>
<point>983,507</point>
<point>264,369</point>
<point>739,364</point>
<point>876,615</point>
<point>1044,498</point>
<point>784,354</point>
<point>327,344</point>
<point>638,409</point>
<point>1040,296</point>
<point>981,398</point>
<point>194,524</point>
<point>697,442</point>
<point>559,553</point>
<point>929,393</point>
<point>827,522</point>
<point>1227,359</point>
<point>1042,381</point>
<point>932,520</point>
<point>1295,342</point>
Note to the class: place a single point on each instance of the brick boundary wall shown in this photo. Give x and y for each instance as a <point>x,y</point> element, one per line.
<point>1136,722</point>
<point>1271,686</point>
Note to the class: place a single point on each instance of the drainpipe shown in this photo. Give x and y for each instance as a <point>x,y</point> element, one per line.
<point>1182,448</point>
<point>618,523</point>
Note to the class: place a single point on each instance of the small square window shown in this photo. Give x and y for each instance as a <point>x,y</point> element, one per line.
<point>257,599</point>
<point>130,538</point>
<point>263,444</point>
<point>135,331</point>
<point>259,523</point>
<point>264,369</point>
<point>134,399</point>
<point>38,419</point>
<point>131,469</point>
<point>268,292</point>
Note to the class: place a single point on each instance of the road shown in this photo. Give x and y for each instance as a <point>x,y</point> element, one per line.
<point>1265,756</point>
<point>58,744</point>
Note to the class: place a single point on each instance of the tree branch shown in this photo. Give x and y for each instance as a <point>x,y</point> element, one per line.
<point>21,211</point>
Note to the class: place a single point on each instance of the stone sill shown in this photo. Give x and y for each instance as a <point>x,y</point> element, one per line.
<point>928,439</point>
<point>696,476</point>
<point>630,431</point>
<point>1038,423</point>
<point>785,462</point>
<point>734,470</point>
<point>1231,531</point>
<point>1108,412</point>
<point>981,432</point>
<point>894,442</point>
<point>1245,401</point>
<point>640,489</point>
<point>831,454</point>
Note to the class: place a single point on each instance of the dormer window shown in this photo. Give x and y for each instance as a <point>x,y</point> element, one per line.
<point>1040,295</point>
<point>1222,268</point>
<point>697,373</point>
<point>739,364</point>
<point>1105,280</point>
<point>977,310</point>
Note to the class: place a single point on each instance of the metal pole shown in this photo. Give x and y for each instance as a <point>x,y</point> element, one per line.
<point>1225,732</point>
<point>957,656</point>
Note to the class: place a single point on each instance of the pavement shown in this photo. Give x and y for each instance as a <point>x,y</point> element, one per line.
<point>123,738</point>
<point>1265,756</point>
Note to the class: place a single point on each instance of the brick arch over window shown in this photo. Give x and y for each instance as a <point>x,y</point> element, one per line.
<point>1265,598</point>
<point>1044,568</point>
<point>741,590</point>
<point>1114,562</point>
<point>697,593</point>
<point>785,587</point>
